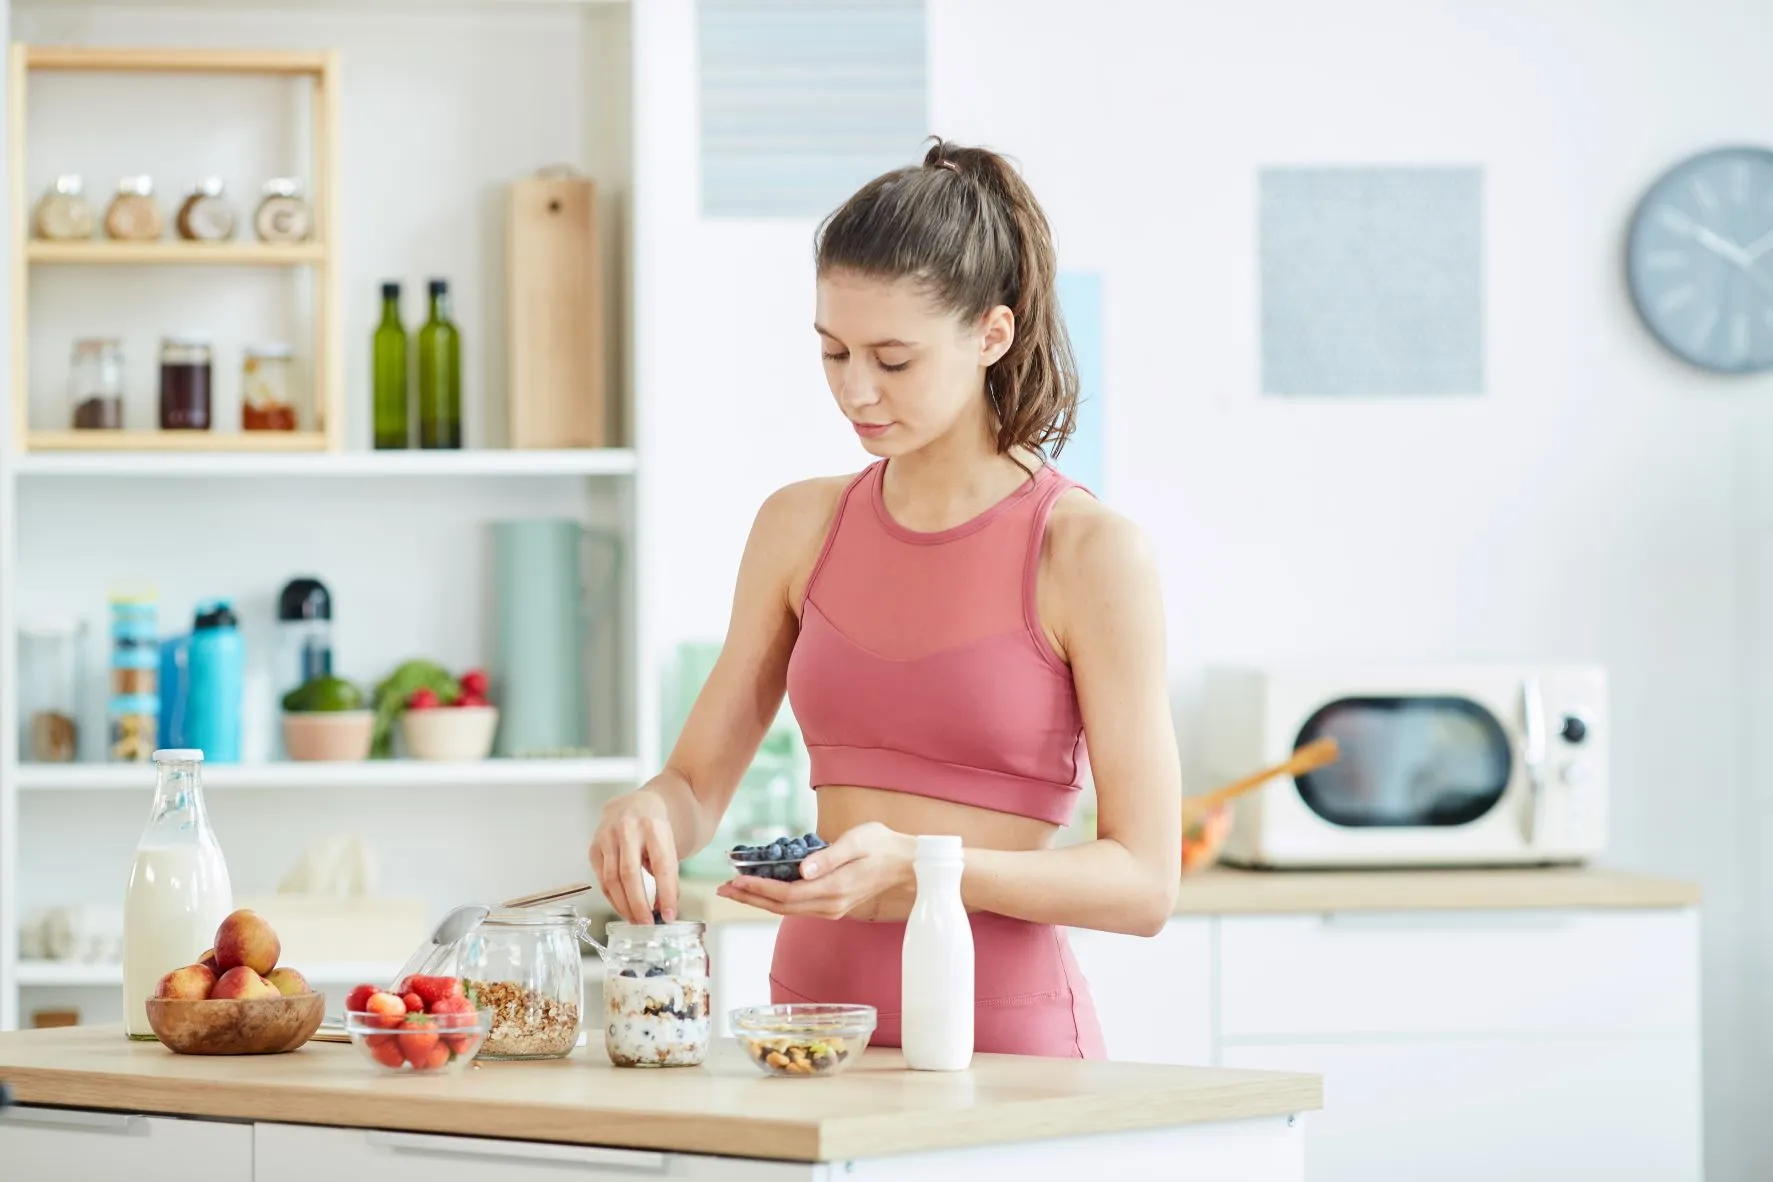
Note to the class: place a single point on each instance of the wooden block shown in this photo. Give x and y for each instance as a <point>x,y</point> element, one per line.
<point>555,347</point>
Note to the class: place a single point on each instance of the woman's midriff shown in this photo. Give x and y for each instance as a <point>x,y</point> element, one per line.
<point>1030,998</point>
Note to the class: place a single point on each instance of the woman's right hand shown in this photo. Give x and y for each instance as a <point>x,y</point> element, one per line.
<point>635,834</point>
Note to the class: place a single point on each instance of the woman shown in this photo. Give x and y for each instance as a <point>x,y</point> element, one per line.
<point>951,624</point>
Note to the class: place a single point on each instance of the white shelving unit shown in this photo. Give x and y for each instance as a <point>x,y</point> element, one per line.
<point>448,830</point>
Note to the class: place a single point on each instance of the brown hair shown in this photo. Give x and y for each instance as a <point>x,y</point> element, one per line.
<point>966,226</point>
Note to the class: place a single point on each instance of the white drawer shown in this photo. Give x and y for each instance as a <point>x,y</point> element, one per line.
<point>74,1143</point>
<point>1412,973</point>
<point>302,1153</point>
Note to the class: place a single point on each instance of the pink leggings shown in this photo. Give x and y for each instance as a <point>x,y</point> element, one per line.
<point>1030,997</point>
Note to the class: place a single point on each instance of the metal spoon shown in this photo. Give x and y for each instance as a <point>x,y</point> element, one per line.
<point>455,925</point>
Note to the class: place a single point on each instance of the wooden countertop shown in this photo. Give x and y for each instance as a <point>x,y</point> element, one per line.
<point>1227,891</point>
<point>723,1107</point>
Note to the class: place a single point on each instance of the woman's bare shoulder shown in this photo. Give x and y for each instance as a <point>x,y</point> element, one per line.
<point>806,506</point>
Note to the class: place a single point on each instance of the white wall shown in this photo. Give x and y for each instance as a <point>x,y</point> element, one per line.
<point>1590,506</point>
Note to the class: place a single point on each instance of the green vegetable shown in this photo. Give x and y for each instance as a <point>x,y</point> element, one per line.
<point>393,691</point>
<point>323,694</point>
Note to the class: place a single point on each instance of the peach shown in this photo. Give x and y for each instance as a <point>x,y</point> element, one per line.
<point>289,982</point>
<point>243,984</point>
<point>246,939</point>
<point>207,960</point>
<point>191,983</point>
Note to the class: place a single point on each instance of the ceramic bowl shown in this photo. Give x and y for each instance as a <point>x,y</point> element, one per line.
<point>236,1026</point>
<point>329,735</point>
<point>452,733</point>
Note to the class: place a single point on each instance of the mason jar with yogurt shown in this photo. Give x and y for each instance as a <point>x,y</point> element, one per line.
<point>655,994</point>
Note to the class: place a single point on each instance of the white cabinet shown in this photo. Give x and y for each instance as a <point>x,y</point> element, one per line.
<point>74,1143</point>
<point>1477,1045</point>
<point>1154,995</point>
<point>1527,1109</point>
<point>293,1153</point>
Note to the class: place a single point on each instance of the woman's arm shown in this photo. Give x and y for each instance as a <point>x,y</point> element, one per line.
<point>1107,614</point>
<point>676,813</point>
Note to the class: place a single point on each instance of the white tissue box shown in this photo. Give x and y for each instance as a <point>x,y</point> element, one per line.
<point>326,929</point>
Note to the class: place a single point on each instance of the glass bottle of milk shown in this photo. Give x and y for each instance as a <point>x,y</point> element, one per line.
<point>936,963</point>
<point>178,891</point>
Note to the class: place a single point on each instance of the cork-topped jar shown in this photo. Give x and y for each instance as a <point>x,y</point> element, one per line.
<point>133,215</point>
<point>63,213</point>
<point>206,215</point>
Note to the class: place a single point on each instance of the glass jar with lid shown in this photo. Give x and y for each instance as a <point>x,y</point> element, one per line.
<point>133,215</point>
<point>266,400</point>
<point>63,213</point>
<point>95,384</point>
<point>656,1006</point>
<point>524,965</point>
<point>185,383</point>
<point>51,657</point>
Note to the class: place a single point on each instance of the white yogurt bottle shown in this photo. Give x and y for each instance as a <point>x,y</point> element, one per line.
<point>937,964</point>
<point>178,891</point>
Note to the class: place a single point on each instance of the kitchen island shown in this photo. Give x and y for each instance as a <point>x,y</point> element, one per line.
<point>88,1103</point>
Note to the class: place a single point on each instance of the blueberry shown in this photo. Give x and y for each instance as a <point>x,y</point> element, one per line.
<point>778,849</point>
<point>788,872</point>
<point>814,842</point>
<point>629,973</point>
<point>797,849</point>
<point>657,970</point>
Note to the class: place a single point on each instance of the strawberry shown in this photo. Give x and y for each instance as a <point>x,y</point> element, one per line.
<point>358,1000</point>
<point>469,700</point>
<point>474,682</point>
<point>414,1003</point>
<point>388,1054</point>
<point>456,1013</point>
<point>423,698</point>
<point>439,1057</point>
<point>377,1041</point>
<point>432,990</point>
<point>418,1038</point>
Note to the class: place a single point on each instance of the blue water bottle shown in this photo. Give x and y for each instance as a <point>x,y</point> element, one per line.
<point>216,681</point>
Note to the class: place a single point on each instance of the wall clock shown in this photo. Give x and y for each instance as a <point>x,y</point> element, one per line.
<point>1699,259</point>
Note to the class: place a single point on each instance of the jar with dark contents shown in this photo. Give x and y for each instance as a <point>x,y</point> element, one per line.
<point>95,384</point>
<point>185,371</point>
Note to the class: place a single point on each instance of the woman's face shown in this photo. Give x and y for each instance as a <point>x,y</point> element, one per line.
<point>903,371</point>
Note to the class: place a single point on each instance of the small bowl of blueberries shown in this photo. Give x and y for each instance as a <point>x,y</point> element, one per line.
<point>780,859</point>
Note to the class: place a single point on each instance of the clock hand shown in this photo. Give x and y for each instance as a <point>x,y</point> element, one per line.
<point>1710,239</point>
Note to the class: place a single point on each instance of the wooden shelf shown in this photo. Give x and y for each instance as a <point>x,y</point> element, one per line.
<point>100,59</point>
<point>608,461</point>
<point>102,253</point>
<point>369,774</point>
<point>252,442</point>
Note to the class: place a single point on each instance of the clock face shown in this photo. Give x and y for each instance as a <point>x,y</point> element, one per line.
<point>1700,260</point>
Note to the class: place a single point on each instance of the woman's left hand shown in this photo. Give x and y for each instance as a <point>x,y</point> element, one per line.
<point>865,863</point>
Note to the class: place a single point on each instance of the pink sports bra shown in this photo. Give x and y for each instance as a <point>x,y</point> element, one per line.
<point>921,665</point>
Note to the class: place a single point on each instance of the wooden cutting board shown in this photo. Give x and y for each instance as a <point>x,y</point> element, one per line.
<point>555,310</point>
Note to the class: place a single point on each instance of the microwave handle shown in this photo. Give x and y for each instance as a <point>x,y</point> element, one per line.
<point>1533,754</point>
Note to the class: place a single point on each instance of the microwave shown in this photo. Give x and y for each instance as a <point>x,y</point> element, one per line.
<point>1439,765</point>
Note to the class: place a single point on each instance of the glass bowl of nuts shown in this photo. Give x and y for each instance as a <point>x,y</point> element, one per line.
<point>803,1039</point>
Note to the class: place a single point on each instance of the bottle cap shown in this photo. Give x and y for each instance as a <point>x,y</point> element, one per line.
<point>390,290</point>
<point>938,848</point>
<point>439,287</point>
<point>215,613</point>
<point>304,599</point>
<point>178,755</point>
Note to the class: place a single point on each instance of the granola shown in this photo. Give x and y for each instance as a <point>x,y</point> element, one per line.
<point>526,1023</point>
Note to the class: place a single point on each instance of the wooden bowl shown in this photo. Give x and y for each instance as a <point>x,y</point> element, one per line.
<point>229,1026</point>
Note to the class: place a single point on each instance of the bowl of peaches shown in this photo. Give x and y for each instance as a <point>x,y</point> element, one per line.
<point>235,999</point>
<point>426,1025</point>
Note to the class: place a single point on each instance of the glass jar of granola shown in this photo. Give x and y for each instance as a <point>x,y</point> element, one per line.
<point>655,994</point>
<point>523,965</point>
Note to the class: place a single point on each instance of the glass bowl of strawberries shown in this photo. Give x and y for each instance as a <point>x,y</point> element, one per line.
<point>430,1027</point>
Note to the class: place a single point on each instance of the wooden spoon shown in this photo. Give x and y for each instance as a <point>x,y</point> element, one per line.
<point>1308,758</point>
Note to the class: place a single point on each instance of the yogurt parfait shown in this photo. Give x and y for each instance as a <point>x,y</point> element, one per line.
<point>656,1007</point>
